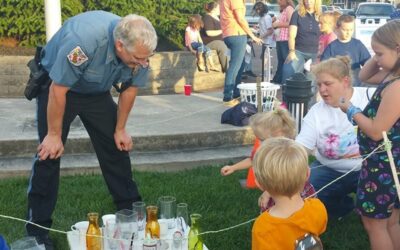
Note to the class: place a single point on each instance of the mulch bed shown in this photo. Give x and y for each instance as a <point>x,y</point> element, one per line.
<point>17,51</point>
<point>163,45</point>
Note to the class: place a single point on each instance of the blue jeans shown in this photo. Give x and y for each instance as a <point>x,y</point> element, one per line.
<point>201,48</point>
<point>296,66</point>
<point>282,51</point>
<point>233,75</point>
<point>336,196</point>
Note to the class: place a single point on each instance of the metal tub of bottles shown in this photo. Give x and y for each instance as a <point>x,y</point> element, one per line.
<point>152,227</point>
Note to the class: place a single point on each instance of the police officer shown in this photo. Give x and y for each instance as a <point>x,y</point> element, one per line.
<point>91,52</point>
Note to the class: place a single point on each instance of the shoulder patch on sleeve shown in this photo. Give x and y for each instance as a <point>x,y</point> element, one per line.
<point>77,56</point>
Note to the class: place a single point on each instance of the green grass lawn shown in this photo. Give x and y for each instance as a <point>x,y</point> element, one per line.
<point>220,200</point>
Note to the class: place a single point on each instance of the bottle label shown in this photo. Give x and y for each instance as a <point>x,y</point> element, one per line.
<point>150,244</point>
<point>147,247</point>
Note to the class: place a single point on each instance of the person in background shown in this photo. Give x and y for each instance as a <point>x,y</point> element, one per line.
<point>346,44</point>
<point>327,24</point>
<point>265,28</point>
<point>195,44</point>
<point>235,30</point>
<point>377,201</point>
<point>282,47</point>
<point>211,33</point>
<point>326,133</point>
<point>281,169</point>
<point>89,54</point>
<point>303,37</point>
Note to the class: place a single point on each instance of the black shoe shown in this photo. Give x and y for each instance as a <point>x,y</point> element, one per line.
<point>46,241</point>
<point>250,73</point>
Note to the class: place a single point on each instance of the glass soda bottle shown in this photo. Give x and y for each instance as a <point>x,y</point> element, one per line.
<point>93,233</point>
<point>195,241</point>
<point>152,225</point>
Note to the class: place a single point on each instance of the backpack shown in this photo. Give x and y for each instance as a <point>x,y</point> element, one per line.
<point>239,115</point>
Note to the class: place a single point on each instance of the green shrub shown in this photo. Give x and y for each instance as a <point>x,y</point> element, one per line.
<point>169,17</point>
<point>25,21</point>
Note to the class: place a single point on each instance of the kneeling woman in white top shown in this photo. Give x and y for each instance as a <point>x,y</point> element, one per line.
<point>327,132</point>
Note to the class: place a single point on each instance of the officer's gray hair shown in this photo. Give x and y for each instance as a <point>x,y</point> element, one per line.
<point>134,28</point>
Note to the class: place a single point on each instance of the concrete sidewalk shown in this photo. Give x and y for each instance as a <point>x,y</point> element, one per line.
<point>170,132</point>
<point>151,115</point>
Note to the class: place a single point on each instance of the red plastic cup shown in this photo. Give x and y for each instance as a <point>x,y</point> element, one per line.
<point>188,89</point>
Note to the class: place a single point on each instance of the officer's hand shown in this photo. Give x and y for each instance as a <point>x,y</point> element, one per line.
<point>123,140</point>
<point>51,147</point>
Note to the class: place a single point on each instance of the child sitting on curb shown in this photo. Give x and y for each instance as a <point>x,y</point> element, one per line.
<point>195,44</point>
<point>281,169</point>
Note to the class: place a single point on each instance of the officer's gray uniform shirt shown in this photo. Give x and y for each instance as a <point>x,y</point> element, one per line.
<point>81,55</point>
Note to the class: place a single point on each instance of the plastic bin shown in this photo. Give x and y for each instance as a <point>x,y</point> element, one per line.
<point>248,93</point>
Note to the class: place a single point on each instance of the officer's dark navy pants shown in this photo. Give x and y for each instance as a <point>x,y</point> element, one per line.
<point>98,114</point>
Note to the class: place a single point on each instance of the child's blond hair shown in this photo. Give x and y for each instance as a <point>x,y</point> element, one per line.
<point>281,167</point>
<point>338,67</point>
<point>274,123</point>
<point>328,18</point>
<point>303,11</point>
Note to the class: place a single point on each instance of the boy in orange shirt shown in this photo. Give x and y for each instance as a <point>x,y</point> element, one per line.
<point>281,169</point>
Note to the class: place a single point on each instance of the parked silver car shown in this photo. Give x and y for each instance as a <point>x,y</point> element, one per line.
<point>374,10</point>
<point>369,17</point>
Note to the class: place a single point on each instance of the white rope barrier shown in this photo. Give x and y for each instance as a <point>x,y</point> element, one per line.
<point>345,174</point>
